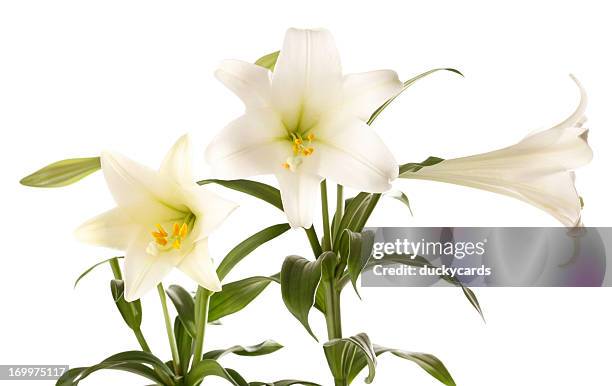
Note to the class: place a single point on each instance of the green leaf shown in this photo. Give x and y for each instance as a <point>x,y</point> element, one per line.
<point>247,246</point>
<point>357,249</point>
<point>285,382</point>
<point>347,356</point>
<point>427,362</point>
<point>62,173</point>
<point>184,344</point>
<point>471,297</point>
<point>236,295</point>
<point>406,169</point>
<point>353,212</point>
<point>401,197</point>
<point>405,86</point>
<point>420,261</point>
<point>210,367</point>
<point>263,348</point>
<point>264,192</point>
<point>185,307</point>
<point>299,280</point>
<point>137,362</point>
<point>131,312</point>
<point>268,61</point>
<point>88,270</point>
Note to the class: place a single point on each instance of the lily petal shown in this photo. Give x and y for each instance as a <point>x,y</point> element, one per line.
<point>112,229</point>
<point>141,191</point>
<point>199,266</point>
<point>299,196</point>
<point>250,82</point>
<point>209,208</point>
<point>307,78</point>
<point>352,154</point>
<point>251,145</point>
<point>143,271</point>
<point>553,193</point>
<point>177,164</point>
<point>367,91</point>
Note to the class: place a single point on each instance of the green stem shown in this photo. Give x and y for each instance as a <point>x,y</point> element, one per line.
<point>142,341</point>
<point>114,263</point>
<point>333,318</point>
<point>169,330</point>
<point>339,207</point>
<point>311,233</point>
<point>325,211</point>
<point>201,308</point>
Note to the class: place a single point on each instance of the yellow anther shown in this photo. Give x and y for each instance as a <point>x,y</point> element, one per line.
<point>296,149</point>
<point>183,231</point>
<point>308,151</point>
<point>310,137</point>
<point>161,230</point>
<point>161,241</point>
<point>175,229</point>
<point>298,141</point>
<point>285,165</point>
<point>176,244</point>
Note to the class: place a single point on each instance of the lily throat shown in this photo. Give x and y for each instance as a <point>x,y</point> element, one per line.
<point>172,239</point>
<point>301,147</point>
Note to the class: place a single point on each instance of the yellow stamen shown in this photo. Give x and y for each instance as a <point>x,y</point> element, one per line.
<point>183,231</point>
<point>161,241</point>
<point>161,230</point>
<point>175,229</point>
<point>286,165</point>
<point>310,137</point>
<point>297,141</point>
<point>176,244</point>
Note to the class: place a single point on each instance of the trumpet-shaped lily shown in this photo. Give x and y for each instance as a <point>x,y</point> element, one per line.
<point>162,220</point>
<point>537,170</point>
<point>304,122</point>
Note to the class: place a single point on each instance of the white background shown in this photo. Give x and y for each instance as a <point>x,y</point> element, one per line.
<point>79,77</point>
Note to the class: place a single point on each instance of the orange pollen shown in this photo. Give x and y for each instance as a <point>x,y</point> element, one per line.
<point>179,233</point>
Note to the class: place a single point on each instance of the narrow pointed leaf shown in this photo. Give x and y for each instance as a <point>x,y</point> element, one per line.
<point>355,208</point>
<point>347,356</point>
<point>268,61</point>
<point>62,173</point>
<point>405,86</point>
<point>401,197</point>
<point>210,367</point>
<point>247,246</point>
<point>412,167</point>
<point>184,344</point>
<point>300,279</point>
<point>137,362</point>
<point>263,348</point>
<point>285,382</point>
<point>185,307</point>
<point>264,192</point>
<point>88,270</point>
<point>236,295</point>
<point>420,261</point>
<point>356,248</point>
<point>427,362</point>
<point>131,312</point>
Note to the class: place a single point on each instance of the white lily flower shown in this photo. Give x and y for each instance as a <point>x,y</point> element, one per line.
<point>305,122</point>
<point>537,170</point>
<point>162,220</point>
